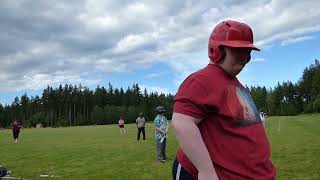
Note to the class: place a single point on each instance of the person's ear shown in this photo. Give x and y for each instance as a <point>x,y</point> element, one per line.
<point>222,54</point>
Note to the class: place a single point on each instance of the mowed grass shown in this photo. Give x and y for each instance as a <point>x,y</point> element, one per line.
<point>102,153</point>
<point>85,153</point>
<point>295,144</point>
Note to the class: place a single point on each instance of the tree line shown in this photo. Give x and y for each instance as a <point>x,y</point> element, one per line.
<point>72,105</point>
<point>288,98</point>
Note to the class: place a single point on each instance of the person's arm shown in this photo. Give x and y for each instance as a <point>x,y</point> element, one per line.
<point>160,130</point>
<point>156,124</point>
<point>191,142</point>
<point>158,127</point>
<point>167,127</point>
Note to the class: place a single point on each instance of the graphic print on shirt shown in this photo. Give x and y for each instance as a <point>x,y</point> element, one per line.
<point>241,106</point>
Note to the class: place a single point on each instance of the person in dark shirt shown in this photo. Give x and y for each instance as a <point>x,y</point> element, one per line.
<point>16,126</point>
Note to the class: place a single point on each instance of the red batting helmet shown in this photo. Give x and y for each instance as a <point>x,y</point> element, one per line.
<point>232,34</point>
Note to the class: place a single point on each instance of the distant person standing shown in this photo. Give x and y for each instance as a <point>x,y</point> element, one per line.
<point>263,117</point>
<point>141,124</point>
<point>16,126</point>
<point>121,125</point>
<point>161,128</point>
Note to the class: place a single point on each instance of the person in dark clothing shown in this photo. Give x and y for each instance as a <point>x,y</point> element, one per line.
<point>141,124</point>
<point>16,126</point>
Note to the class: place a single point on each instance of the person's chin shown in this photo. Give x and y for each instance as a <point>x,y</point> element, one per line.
<point>240,67</point>
<point>236,72</point>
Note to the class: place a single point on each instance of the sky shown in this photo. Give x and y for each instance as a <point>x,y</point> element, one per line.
<point>156,44</point>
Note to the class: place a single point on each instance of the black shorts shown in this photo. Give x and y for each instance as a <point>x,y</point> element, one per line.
<point>179,173</point>
<point>15,134</point>
<point>121,126</point>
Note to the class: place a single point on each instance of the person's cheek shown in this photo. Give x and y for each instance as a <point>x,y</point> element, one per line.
<point>247,58</point>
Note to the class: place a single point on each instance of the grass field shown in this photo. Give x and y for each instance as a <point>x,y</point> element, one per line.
<point>102,153</point>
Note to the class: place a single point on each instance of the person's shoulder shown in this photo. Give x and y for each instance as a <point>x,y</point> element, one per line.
<point>157,118</point>
<point>201,82</point>
<point>201,74</point>
<point>194,80</point>
<point>211,72</point>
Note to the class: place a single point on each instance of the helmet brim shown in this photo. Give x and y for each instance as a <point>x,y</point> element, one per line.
<point>239,44</point>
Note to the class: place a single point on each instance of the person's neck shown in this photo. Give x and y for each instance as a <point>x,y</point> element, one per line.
<point>224,66</point>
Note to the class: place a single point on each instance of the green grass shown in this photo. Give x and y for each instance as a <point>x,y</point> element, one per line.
<point>101,152</point>
<point>90,152</point>
<point>295,146</point>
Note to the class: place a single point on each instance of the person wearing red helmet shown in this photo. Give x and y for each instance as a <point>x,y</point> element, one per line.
<point>215,119</point>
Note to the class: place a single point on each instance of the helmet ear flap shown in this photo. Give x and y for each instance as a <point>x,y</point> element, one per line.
<point>216,54</point>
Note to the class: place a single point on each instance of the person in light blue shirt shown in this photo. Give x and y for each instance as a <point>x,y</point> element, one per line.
<point>161,128</point>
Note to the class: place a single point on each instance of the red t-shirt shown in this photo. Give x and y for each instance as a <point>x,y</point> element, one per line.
<point>230,128</point>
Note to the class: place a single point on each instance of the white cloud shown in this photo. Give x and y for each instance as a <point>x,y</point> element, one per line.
<point>85,37</point>
<point>156,74</point>
<point>138,8</point>
<point>295,40</point>
<point>101,23</point>
<point>185,64</point>
<point>41,81</point>
<point>132,42</point>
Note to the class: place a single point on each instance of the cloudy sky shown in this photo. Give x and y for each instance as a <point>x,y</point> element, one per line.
<point>153,43</point>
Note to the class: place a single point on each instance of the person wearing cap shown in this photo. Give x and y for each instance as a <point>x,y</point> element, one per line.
<point>141,124</point>
<point>161,128</point>
<point>215,119</point>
